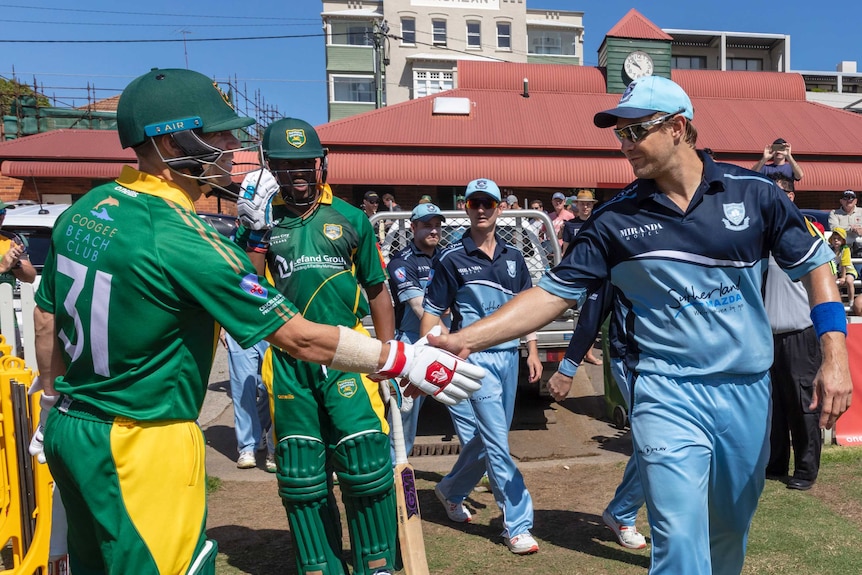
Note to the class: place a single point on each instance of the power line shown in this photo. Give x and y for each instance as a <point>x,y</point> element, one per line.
<point>161,15</point>
<point>139,24</point>
<point>157,41</point>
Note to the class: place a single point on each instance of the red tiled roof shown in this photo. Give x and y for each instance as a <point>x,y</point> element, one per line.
<point>83,145</point>
<point>510,76</point>
<point>636,25</point>
<point>43,169</point>
<point>455,169</point>
<point>749,111</point>
<point>743,85</point>
<point>104,105</point>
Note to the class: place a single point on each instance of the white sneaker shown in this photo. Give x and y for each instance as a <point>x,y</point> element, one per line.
<point>246,460</point>
<point>455,511</point>
<point>521,544</point>
<point>627,535</point>
<point>271,467</point>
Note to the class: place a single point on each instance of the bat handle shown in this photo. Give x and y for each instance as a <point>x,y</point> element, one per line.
<point>397,432</point>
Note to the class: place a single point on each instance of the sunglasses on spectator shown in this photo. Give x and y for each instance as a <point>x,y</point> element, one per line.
<point>636,132</point>
<point>484,203</point>
<point>372,201</point>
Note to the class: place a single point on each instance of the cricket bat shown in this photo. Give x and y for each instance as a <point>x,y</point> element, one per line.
<point>407,503</point>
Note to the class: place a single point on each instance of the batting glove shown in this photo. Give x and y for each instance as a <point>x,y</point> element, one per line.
<point>46,402</point>
<point>436,372</point>
<point>254,205</point>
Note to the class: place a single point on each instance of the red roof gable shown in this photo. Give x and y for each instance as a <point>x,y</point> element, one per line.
<point>636,25</point>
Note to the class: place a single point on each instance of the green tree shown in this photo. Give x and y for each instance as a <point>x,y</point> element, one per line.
<point>11,89</point>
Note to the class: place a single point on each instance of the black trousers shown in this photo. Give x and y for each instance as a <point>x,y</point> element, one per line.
<point>797,359</point>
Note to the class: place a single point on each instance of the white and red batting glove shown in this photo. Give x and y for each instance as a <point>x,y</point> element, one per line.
<point>254,205</point>
<point>436,372</point>
<point>46,402</point>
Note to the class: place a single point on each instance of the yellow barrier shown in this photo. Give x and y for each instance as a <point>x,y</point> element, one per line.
<point>5,348</point>
<point>26,486</point>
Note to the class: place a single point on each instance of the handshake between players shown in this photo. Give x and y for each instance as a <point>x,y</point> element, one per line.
<point>435,372</point>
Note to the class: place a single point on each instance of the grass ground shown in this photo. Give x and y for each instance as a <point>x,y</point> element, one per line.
<point>804,533</point>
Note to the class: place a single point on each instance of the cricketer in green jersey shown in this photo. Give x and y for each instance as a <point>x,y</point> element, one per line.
<point>321,253</point>
<point>134,288</point>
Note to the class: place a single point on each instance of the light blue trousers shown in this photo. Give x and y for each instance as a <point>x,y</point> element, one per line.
<point>701,446</point>
<point>629,496</point>
<point>251,415</point>
<point>483,425</point>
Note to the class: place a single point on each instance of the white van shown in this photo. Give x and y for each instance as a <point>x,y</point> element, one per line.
<point>34,222</point>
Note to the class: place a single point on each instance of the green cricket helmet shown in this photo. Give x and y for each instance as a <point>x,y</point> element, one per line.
<point>183,104</point>
<point>295,140</point>
<point>173,100</point>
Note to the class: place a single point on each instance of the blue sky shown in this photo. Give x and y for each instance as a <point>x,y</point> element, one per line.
<point>289,73</point>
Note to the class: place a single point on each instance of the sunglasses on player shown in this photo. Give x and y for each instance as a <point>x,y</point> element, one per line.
<point>636,132</point>
<point>484,203</point>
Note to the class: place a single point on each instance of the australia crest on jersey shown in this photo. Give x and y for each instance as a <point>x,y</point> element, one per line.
<point>512,268</point>
<point>735,218</point>
<point>332,231</point>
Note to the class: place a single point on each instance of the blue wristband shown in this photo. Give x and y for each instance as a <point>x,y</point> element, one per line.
<point>829,316</point>
<point>568,367</point>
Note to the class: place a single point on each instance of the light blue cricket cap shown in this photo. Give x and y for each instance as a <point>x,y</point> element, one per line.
<point>646,96</point>
<point>483,186</point>
<point>424,212</point>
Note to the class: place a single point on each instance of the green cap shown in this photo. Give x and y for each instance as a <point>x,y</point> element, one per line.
<point>173,100</point>
<point>291,139</point>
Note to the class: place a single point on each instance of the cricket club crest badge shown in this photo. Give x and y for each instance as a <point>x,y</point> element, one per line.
<point>295,137</point>
<point>511,268</point>
<point>332,231</point>
<point>735,218</point>
<point>347,388</point>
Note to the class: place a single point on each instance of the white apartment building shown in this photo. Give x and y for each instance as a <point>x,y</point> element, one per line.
<point>385,52</point>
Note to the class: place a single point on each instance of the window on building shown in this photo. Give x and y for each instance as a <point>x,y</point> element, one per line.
<point>351,33</point>
<point>474,35</point>
<point>408,31</point>
<point>688,62</point>
<point>753,64</point>
<point>427,82</point>
<point>504,35</point>
<point>353,89</point>
<point>439,32</point>
<point>557,42</point>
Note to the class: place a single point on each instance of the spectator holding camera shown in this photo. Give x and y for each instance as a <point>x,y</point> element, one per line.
<point>848,217</point>
<point>778,159</point>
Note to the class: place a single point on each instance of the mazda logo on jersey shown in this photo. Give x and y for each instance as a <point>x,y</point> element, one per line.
<point>251,285</point>
<point>438,374</point>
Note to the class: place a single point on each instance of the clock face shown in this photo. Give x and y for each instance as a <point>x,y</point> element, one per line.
<point>638,64</point>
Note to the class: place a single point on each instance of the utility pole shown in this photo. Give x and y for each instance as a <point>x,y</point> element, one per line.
<point>381,59</point>
<point>185,50</point>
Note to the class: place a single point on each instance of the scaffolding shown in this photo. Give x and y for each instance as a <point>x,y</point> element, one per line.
<point>24,111</point>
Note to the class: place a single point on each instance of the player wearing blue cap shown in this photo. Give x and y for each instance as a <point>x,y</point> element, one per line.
<point>472,278</point>
<point>686,246</point>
